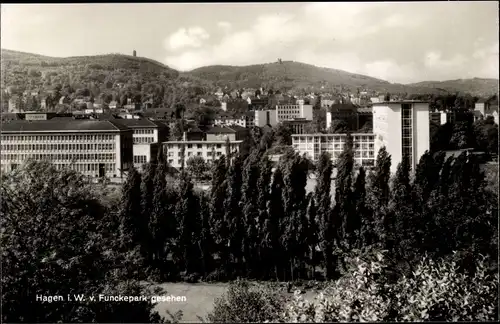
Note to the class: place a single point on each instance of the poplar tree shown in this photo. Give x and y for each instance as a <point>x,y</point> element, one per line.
<point>130,214</point>
<point>147,194</point>
<point>218,224</point>
<point>233,212</point>
<point>189,230</point>
<point>273,224</point>
<point>363,219</point>
<point>379,191</point>
<point>157,221</point>
<point>312,234</point>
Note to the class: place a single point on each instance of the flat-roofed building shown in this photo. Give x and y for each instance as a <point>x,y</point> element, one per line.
<point>403,128</point>
<point>314,144</point>
<point>93,147</point>
<point>208,150</point>
<point>147,136</point>
<point>298,125</point>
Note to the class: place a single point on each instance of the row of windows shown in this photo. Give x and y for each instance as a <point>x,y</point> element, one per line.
<point>60,157</point>
<point>330,139</point>
<point>143,131</point>
<point>339,147</point>
<point>87,167</point>
<point>45,138</point>
<point>140,159</point>
<point>198,146</point>
<point>143,140</point>
<point>57,147</point>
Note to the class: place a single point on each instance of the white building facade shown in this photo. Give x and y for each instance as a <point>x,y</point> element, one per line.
<point>403,128</point>
<point>93,148</point>
<point>314,144</point>
<point>208,150</point>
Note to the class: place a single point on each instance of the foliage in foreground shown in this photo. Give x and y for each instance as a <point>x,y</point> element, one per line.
<point>58,240</point>
<point>247,303</point>
<point>435,291</point>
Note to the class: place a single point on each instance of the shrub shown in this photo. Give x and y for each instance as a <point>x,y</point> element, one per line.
<point>435,291</point>
<point>247,303</point>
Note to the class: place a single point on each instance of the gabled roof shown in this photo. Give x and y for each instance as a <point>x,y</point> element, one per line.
<point>55,125</point>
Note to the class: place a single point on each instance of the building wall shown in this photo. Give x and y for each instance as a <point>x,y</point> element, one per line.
<point>205,149</point>
<point>314,144</point>
<point>80,151</point>
<point>387,128</point>
<point>221,137</point>
<point>420,131</point>
<point>260,118</point>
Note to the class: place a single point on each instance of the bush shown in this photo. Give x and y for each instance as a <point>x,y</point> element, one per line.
<point>247,303</point>
<point>436,291</point>
<point>58,240</point>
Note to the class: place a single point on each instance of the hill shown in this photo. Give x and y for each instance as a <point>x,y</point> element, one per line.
<point>301,76</point>
<point>107,77</point>
<point>297,76</point>
<point>476,86</point>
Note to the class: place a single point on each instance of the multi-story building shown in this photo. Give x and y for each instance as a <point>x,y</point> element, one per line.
<point>245,120</point>
<point>290,112</point>
<point>314,144</point>
<point>147,134</point>
<point>346,112</point>
<point>233,133</point>
<point>92,147</point>
<point>208,150</point>
<point>403,128</point>
<point>283,113</point>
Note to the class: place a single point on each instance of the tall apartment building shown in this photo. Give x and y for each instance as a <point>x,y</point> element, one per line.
<point>403,128</point>
<point>147,136</point>
<point>314,144</point>
<point>92,147</point>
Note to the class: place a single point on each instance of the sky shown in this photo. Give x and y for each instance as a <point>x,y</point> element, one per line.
<point>399,42</point>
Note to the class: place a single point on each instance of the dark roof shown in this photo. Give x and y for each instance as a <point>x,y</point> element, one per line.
<point>238,128</point>
<point>399,102</point>
<point>139,123</point>
<point>221,130</point>
<point>365,110</point>
<point>55,125</point>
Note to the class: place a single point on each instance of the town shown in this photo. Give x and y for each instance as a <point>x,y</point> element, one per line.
<point>143,181</point>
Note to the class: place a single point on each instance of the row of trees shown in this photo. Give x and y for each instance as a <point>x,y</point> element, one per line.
<point>481,135</point>
<point>260,223</point>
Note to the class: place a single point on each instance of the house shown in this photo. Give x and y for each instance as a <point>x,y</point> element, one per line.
<point>202,101</point>
<point>113,104</point>
<point>233,133</point>
<point>487,106</point>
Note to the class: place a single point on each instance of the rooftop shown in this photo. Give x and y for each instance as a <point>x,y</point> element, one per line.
<point>140,123</point>
<point>55,125</point>
<point>398,102</point>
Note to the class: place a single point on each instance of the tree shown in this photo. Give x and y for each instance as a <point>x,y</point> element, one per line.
<point>131,213</point>
<point>323,199</point>
<point>363,214</point>
<point>283,135</point>
<point>379,191</point>
<point>197,167</point>
<point>273,223</point>
<point>338,126</point>
<point>58,239</point>
<point>147,193</point>
<point>233,213</point>
<point>462,136</point>
<point>218,224</point>
<point>189,221</point>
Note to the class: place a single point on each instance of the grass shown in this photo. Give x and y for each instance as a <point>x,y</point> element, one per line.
<point>200,299</point>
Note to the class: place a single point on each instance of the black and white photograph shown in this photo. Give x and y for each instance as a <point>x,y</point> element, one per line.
<point>246,162</point>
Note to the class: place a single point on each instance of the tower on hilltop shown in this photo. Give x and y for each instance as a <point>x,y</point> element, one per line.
<point>134,53</point>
